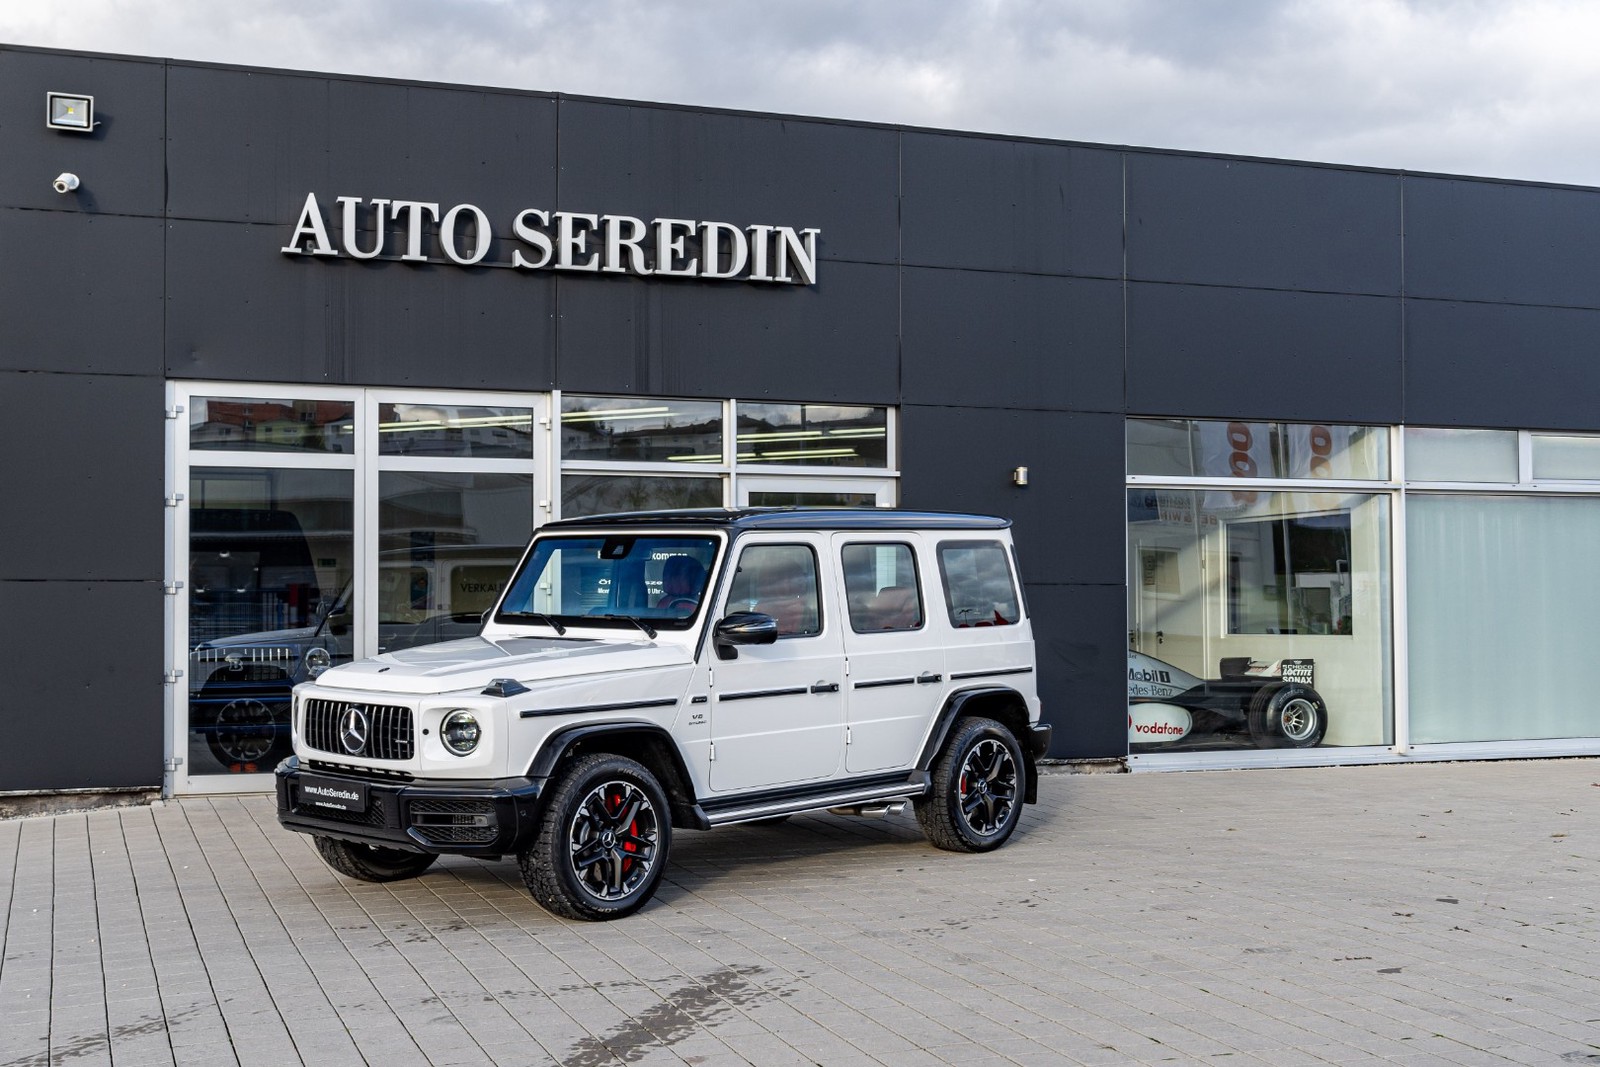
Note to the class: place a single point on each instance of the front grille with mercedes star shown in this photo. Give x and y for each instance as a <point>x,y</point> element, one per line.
<point>371,731</point>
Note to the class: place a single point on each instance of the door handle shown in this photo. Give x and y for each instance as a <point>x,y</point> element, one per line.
<point>928,678</point>
<point>825,687</point>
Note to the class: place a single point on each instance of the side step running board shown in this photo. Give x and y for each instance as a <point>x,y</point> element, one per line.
<point>852,801</point>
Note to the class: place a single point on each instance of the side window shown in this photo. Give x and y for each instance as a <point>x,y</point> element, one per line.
<point>978,589</point>
<point>881,588</point>
<point>781,581</point>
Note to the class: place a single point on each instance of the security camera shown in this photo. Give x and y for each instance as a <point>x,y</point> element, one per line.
<point>65,183</point>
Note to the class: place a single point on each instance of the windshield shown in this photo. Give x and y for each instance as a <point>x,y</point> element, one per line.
<point>612,581</point>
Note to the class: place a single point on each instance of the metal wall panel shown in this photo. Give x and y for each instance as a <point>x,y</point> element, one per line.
<point>81,293</point>
<point>1508,365</point>
<point>1270,225</point>
<point>659,162</point>
<point>1069,519</point>
<point>120,164</point>
<point>985,203</point>
<point>1493,241</point>
<point>82,480</point>
<point>1080,639</point>
<point>87,711</point>
<point>242,310</point>
<point>836,340</point>
<point>1205,351</point>
<point>1012,340</point>
<point>249,145</point>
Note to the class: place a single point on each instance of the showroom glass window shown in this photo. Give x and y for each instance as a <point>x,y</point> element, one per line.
<point>1501,529</point>
<point>663,453</point>
<point>326,525</point>
<point>1259,570</point>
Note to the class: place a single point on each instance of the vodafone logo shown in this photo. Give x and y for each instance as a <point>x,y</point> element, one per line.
<point>1154,721</point>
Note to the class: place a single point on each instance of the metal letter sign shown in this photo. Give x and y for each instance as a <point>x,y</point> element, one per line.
<point>559,240</point>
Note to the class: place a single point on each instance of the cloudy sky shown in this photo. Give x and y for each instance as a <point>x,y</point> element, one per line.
<point>1504,88</point>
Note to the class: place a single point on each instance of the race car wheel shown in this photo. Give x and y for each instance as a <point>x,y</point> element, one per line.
<point>1288,716</point>
<point>371,863</point>
<point>975,799</point>
<point>603,840</point>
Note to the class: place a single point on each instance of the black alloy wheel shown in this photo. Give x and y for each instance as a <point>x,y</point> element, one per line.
<point>248,735</point>
<point>603,840</point>
<point>976,797</point>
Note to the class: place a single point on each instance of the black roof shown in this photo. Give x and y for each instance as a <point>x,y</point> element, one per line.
<point>791,518</point>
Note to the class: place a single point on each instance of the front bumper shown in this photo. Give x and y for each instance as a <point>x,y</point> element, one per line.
<point>432,815</point>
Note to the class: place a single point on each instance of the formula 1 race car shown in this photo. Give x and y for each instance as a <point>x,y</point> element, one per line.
<point>1274,703</point>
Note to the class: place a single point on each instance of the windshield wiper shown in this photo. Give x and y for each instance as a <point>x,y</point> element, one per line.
<point>540,616</point>
<point>649,630</point>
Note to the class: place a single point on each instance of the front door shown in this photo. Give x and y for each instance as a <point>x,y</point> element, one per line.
<point>777,711</point>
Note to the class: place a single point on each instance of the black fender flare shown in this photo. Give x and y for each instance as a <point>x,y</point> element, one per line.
<point>960,704</point>
<point>647,742</point>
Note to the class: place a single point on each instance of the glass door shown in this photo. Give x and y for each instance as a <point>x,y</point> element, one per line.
<point>312,526</point>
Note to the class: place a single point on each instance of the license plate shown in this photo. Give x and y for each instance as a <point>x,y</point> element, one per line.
<point>333,793</point>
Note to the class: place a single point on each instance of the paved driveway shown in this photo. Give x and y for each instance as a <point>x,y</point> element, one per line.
<point>1433,914</point>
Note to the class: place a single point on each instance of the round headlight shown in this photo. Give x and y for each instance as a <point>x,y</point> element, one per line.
<point>460,732</point>
<point>317,661</point>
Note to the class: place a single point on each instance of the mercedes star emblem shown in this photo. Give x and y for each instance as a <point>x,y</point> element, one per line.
<point>353,730</point>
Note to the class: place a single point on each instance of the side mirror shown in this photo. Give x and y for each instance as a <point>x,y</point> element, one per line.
<point>743,628</point>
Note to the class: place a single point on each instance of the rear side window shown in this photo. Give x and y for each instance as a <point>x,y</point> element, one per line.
<point>978,587</point>
<point>880,585</point>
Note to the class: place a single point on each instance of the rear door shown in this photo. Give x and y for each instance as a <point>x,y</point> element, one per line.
<point>895,667</point>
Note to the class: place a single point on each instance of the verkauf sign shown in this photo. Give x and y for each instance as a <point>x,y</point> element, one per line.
<point>560,240</point>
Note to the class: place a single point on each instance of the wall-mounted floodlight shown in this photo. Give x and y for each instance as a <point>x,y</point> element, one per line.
<point>1019,475</point>
<point>73,112</point>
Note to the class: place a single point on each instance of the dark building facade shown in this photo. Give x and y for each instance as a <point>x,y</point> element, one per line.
<point>301,351</point>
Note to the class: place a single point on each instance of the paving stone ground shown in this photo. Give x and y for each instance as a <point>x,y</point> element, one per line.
<point>1428,914</point>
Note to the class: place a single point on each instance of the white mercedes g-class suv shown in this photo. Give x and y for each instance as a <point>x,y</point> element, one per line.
<point>661,670</point>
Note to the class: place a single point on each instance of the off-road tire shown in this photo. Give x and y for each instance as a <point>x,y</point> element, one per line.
<point>975,799</point>
<point>371,863</point>
<point>604,834</point>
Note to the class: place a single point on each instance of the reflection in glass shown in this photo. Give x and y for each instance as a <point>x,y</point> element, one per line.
<point>270,556</point>
<point>779,581</point>
<point>611,581</point>
<point>599,494</point>
<point>817,435</point>
<point>881,588</point>
<point>1289,574</point>
<point>447,430</point>
<point>448,543</point>
<point>636,429</point>
<point>978,587</point>
<point>1258,619</point>
<point>1197,448</point>
<point>266,425</point>
<point>810,499</point>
